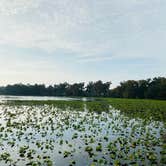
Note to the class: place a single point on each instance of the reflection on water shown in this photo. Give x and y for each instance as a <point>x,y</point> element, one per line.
<point>63,135</point>
<point>37,98</point>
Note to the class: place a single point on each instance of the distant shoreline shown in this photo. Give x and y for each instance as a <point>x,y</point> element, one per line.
<point>142,89</point>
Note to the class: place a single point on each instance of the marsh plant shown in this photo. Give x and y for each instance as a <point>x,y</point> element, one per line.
<point>82,133</point>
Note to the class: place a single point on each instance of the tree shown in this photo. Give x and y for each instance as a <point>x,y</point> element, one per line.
<point>76,89</point>
<point>157,88</point>
<point>98,89</point>
<point>151,88</point>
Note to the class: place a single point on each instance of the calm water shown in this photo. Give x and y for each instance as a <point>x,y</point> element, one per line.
<point>61,136</point>
<point>41,98</point>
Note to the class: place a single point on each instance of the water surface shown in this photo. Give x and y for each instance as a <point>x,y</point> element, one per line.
<point>58,135</point>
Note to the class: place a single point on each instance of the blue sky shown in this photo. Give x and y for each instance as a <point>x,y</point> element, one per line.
<point>52,41</point>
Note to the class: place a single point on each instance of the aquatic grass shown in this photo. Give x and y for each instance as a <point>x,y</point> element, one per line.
<point>64,133</point>
<point>146,109</point>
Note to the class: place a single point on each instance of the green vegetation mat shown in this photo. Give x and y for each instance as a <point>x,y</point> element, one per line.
<point>102,132</point>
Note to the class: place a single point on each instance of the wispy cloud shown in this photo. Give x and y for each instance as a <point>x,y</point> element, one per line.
<point>81,27</point>
<point>9,8</point>
<point>66,39</point>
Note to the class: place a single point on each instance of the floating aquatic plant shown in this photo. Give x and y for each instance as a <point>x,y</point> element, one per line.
<point>44,133</point>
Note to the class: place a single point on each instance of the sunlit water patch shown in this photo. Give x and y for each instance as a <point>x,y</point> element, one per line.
<point>4,98</point>
<point>48,135</point>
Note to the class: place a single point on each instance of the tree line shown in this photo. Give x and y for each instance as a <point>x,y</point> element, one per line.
<point>150,88</point>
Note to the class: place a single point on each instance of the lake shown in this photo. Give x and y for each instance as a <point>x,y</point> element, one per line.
<point>70,131</point>
<point>41,98</point>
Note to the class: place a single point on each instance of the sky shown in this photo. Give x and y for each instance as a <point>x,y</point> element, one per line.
<point>53,41</point>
